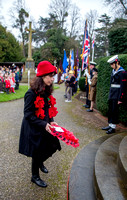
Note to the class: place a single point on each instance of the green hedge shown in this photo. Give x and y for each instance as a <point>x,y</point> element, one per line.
<point>103,85</point>
<point>81,83</point>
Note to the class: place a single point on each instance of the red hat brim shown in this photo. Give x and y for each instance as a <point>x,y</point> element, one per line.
<point>45,67</point>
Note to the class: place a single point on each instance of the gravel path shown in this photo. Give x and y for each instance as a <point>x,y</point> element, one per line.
<point>15,169</point>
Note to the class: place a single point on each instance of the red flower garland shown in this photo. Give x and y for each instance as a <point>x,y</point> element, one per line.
<point>39,104</point>
<point>52,110</point>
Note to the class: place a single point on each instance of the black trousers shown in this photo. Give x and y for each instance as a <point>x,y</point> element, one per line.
<point>87,95</point>
<point>113,112</point>
<point>7,90</point>
<point>17,86</point>
<point>37,161</point>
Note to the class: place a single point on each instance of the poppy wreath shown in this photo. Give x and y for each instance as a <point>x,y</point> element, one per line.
<point>66,136</point>
<point>39,104</point>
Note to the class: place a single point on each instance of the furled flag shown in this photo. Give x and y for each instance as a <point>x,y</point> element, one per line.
<point>86,49</point>
<point>60,72</point>
<point>83,42</point>
<point>65,63</point>
<point>72,59</point>
<point>93,49</point>
<point>93,43</point>
<point>76,65</point>
<point>77,59</point>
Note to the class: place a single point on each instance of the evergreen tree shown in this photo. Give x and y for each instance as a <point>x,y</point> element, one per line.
<point>10,49</point>
<point>118,37</point>
<point>102,43</point>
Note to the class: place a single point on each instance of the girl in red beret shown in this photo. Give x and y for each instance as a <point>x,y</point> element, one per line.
<point>39,110</point>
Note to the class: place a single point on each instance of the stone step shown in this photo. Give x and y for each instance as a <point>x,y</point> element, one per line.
<point>108,182</point>
<point>122,160</point>
<point>81,175</point>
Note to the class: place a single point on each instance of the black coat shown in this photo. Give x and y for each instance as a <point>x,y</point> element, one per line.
<point>116,86</point>
<point>33,136</point>
<point>71,82</point>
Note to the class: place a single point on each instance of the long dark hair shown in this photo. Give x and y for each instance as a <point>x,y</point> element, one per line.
<point>37,84</point>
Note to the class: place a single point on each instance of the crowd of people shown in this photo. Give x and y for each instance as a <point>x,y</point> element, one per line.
<point>10,78</point>
<point>91,76</point>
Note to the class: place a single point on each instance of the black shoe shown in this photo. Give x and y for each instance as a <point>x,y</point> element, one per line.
<point>86,106</point>
<point>106,128</point>
<point>110,131</point>
<point>65,96</point>
<point>38,181</point>
<point>44,169</point>
<point>89,110</point>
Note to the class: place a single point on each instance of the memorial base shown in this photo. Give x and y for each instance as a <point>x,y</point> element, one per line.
<point>30,65</point>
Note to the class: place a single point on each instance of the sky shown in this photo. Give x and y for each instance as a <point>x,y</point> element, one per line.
<point>38,8</point>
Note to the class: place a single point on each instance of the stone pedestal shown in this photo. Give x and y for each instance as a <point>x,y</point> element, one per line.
<point>29,71</point>
<point>30,65</point>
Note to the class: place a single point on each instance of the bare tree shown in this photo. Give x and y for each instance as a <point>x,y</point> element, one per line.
<point>119,6</point>
<point>60,9</point>
<point>92,18</point>
<point>75,20</point>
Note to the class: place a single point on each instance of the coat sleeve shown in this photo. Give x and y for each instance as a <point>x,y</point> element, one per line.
<point>94,81</point>
<point>122,84</point>
<point>71,80</point>
<point>29,110</point>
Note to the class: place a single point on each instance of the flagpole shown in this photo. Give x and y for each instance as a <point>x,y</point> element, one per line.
<point>84,43</point>
<point>92,50</point>
<point>92,54</point>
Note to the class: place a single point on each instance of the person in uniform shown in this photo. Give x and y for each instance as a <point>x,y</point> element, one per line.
<point>89,77</point>
<point>93,86</point>
<point>36,140</point>
<point>114,94</point>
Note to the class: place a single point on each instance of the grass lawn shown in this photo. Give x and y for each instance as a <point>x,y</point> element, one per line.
<point>19,94</point>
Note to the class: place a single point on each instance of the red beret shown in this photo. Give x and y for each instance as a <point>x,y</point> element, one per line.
<point>45,67</point>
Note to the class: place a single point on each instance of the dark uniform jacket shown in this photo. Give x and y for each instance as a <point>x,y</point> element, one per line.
<point>33,136</point>
<point>116,84</point>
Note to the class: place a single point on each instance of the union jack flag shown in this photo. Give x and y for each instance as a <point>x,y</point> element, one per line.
<point>86,50</point>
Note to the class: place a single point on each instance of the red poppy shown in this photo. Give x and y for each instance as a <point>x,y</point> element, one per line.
<point>52,100</point>
<point>40,113</point>
<point>52,111</point>
<point>39,104</point>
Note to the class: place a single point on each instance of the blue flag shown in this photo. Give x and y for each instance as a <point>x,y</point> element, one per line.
<point>65,63</point>
<point>72,60</point>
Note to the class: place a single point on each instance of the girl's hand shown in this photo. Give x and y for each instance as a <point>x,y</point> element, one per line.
<point>53,123</point>
<point>48,126</point>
